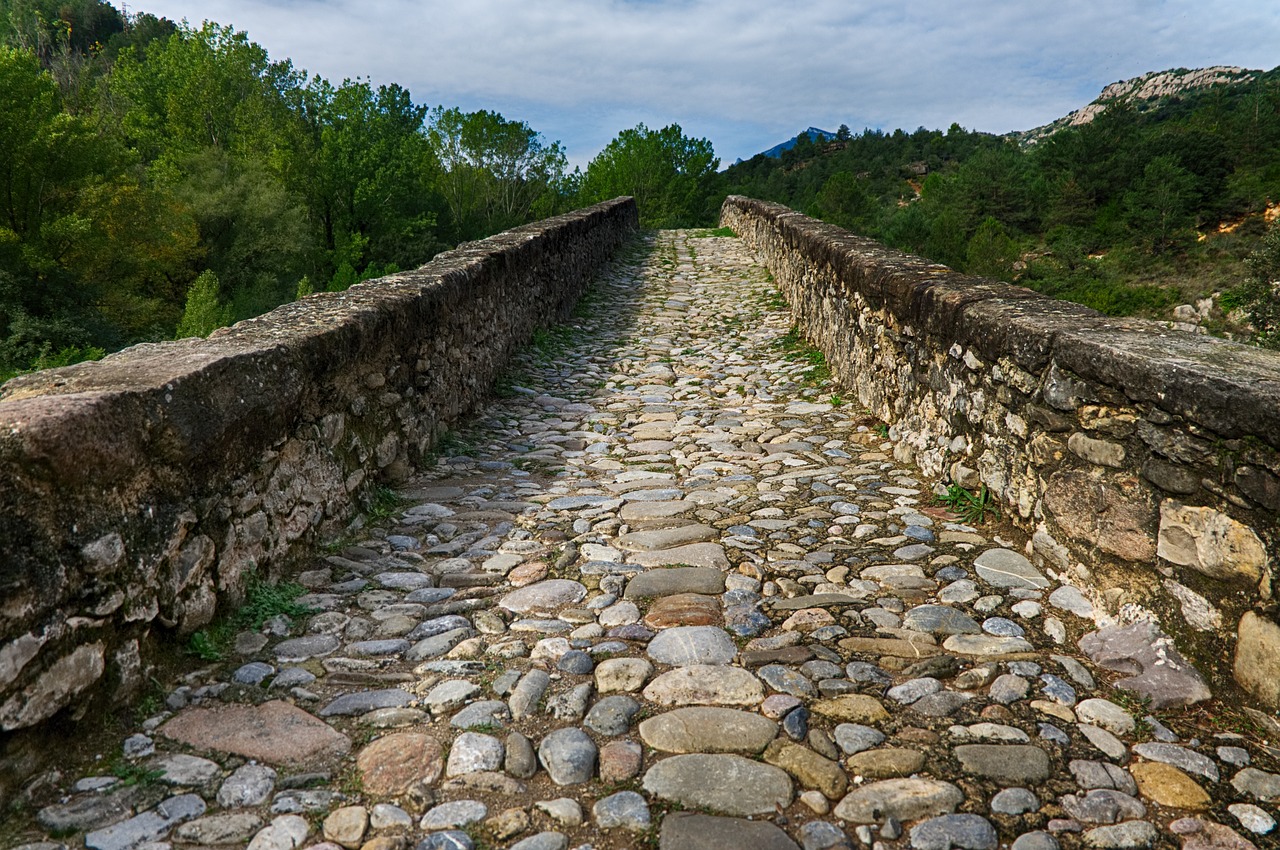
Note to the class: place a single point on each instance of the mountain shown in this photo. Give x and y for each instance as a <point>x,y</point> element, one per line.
<point>814,134</point>
<point>1146,93</point>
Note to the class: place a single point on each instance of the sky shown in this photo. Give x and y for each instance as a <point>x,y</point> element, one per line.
<point>748,74</point>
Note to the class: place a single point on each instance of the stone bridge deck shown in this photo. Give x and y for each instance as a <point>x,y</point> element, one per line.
<point>670,593</point>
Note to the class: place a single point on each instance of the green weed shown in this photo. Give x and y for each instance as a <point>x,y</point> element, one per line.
<point>973,507</point>
<point>718,232</point>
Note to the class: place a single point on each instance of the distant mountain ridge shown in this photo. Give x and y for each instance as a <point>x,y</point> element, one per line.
<point>814,133</point>
<point>1146,92</point>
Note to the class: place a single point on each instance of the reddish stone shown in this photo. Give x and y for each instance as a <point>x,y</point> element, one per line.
<point>620,761</point>
<point>527,573</point>
<point>683,609</point>
<point>274,732</point>
<point>397,765</point>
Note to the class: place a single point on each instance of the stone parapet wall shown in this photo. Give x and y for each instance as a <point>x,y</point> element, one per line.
<point>138,493</point>
<point>1143,462</point>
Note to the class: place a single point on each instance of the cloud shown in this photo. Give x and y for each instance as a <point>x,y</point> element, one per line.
<point>749,73</point>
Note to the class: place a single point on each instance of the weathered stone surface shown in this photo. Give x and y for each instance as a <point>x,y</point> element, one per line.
<point>399,764</point>
<point>1157,670</point>
<point>666,538</point>
<point>1166,785</point>
<point>886,763</point>
<point>544,598</point>
<point>1005,568</point>
<point>689,831</point>
<point>694,555</point>
<point>1257,661</point>
<point>569,756</point>
<point>810,769</point>
<point>1116,517</point>
<point>274,732</point>
<point>742,787</point>
<point>147,826</point>
<point>904,799</point>
<point>692,645</point>
<point>708,730</point>
<point>852,708</point>
<point>55,688</point>
<point>1210,541</point>
<point>672,580</point>
<point>700,684</point>
<point>1011,764</point>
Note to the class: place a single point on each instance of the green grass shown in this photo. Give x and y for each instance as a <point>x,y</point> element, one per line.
<point>722,232</point>
<point>262,601</point>
<point>973,507</point>
<point>798,349</point>
<point>383,502</point>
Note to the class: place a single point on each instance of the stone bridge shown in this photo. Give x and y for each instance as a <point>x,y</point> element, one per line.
<point>678,579</point>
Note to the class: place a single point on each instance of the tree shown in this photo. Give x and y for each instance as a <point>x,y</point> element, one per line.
<point>844,200</point>
<point>1158,208</point>
<point>497,172</point>
<point>668,173</point>
<point>991,252</point>
<point>1259,294</point>
<point>204,313</point>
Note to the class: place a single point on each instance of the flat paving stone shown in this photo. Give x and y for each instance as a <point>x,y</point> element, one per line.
<point>708,730</point>
<point>274,732</point>
<point>742,787</point>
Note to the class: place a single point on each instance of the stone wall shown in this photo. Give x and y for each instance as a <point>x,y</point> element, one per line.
<point>1143,462</point>
<point>139,492</point>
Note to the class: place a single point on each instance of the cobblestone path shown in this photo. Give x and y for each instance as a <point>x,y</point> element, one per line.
<point>668,593</point>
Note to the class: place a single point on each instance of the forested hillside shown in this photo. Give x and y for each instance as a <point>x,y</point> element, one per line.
<point>157,179</point>
<point>162,180</point>
<point>1132,213</point>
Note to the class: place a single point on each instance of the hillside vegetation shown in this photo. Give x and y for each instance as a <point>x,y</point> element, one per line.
<point>159,179</point>
<point>162,180</point>
<point>1144,207</point>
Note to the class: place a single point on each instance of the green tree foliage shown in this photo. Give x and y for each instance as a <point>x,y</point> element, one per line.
<point>668,173</point>
<point>496,172</point>
<point>204,312</point>
<point>1104,213</point>
<point>157,176</point>
<point>1259,294</point>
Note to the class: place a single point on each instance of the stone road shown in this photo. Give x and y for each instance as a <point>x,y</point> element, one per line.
<point>671,592</point>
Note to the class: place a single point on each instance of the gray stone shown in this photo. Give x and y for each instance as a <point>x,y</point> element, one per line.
<point>182,769</point>
<point>449,694</point>
<point>1179,757</point>
<point>1252,818</point>
<point>821,835</point>
<point>853,738</point>
<point>473,752</point>
<point>1013,764</point>
<point>1002,627</point>
<point>685,645</point>
<point>785,680</point>
<point>452,839</point>
<point>1122,836</point>
<point>250,785</point>
<point>623,810</point>
<point>489,712</point>
<point>544,598</point>
<point>89,811</point>
<point>742,787</point>
<point>148,826</point>
<point>1014,801</point>
<point>1009,688</point>
<point>913,689</point>
<point>1108,715</point>
<point>1035,841</point>
<point>708,730</point>
<point>1069,599</point>
<point>940,620</point>
<point>543,841</point>
<point>528,693</point>
<point>1156,668</point>
<point>453,815</point>
<point>902,799</point>
<point>309,646</point>
<point>233,828</point>
<point>253,673</point>
<point>521,761</point>
<point>363,702</point>
<point>971,832</point>
<point>1100,774</point>
<point>1102,805</point>
<point>667,582</point>
<point>701,684</point>
<point>611,715</point>
<point>569,756</point>
<point>1258,784</point>
<point>1006,568</point>
<point>689,831</point>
